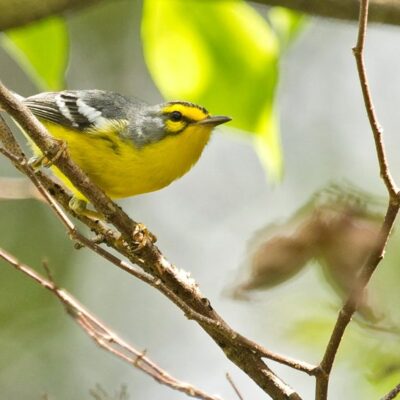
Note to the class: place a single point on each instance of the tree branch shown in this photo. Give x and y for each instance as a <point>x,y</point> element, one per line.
<point>103,335</point>
<point>378,252</point>
<point>234,387</point>
<point>16,13</point>
<point>377,131</point>
<point>381,11</point>
<point>392,394</point>
<point>157,271</point>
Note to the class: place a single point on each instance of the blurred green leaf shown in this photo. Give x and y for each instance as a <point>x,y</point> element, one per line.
<point>41,49</point>
<point>287,24</point>
<point>222,55</point>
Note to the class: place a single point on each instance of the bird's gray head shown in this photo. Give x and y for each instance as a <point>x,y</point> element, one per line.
<point>153,123</point>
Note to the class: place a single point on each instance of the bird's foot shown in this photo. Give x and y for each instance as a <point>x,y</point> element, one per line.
<point>37,162</point>
<point>79,206</point>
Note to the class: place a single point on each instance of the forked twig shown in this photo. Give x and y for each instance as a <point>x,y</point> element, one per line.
<point>104,336</point>
<point>377,254</point>
<point>234,387</point>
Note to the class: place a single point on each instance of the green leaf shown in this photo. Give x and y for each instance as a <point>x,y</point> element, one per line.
<point>41,49</point>
<point>287,24</point>
<point>222,55</point>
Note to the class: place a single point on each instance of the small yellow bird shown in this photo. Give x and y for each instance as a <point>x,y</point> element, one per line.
<point>125,146</point>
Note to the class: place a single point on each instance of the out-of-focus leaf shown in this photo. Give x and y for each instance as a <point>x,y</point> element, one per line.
<point>41,49</point>
<point>336,228</point>
<point>286,23</point>
<point>222,55</point>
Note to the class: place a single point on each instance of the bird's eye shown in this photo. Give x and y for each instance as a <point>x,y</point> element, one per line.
<point>175,116</point>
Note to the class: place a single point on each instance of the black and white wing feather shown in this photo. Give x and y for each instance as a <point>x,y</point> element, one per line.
<point>79,109</point>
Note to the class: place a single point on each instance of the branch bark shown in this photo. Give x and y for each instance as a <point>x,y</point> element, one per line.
<point>381,11</point>
<point>16,13</point>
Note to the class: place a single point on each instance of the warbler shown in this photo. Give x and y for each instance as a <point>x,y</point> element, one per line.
<point>124,145</point>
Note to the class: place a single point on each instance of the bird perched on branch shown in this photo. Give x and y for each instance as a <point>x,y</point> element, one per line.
<point>125,146</point>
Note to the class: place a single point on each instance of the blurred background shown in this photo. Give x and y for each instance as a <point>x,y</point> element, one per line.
<point>204,222</point>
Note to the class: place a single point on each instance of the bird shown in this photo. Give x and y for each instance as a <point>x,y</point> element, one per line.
<point>125,146</point>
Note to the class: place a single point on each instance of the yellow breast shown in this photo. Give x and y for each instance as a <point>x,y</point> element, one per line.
<point>121,169</point>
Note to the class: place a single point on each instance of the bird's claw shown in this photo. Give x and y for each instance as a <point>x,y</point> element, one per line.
<point>79,206</point>
<point>37,162</point>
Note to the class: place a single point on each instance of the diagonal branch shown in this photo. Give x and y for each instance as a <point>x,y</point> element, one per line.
<point>378,252</point>
<point>104,336</point>
<point>392,394</point>
<point>234,387</point>
<point>157,271</point>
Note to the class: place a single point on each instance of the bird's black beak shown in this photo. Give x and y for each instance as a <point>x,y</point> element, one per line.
<point>214,120</point>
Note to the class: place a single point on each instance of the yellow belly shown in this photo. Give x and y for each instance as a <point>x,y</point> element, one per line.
<point>123,170</point>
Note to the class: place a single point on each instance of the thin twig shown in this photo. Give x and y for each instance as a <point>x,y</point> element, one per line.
<point>378,252</point>
<point>382,11</point>
<point>104,336</point>
<point>234,387</point>
<point>377,130</point>
<point>392,394</point>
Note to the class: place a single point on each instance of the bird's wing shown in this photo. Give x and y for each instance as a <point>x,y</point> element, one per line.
<point>80,109</point>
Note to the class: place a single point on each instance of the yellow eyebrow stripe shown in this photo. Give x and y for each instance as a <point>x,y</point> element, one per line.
<point>190,112</point>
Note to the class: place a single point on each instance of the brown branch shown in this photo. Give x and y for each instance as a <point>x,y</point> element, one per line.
<point>104,336</point>
<point>158,272</point>
<point>20,12</point>
<point>15,13</point>
<point>392,394</point>
<point>381,11</point>
<point>377,130</point>
<point>377,254</point>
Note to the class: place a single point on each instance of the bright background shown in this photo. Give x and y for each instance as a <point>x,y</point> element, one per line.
<point>203,223</point>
